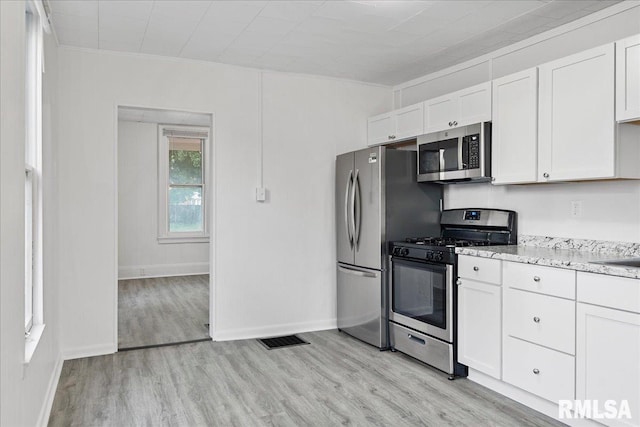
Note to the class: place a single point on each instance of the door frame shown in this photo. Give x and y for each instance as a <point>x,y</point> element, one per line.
<point>210,175</point>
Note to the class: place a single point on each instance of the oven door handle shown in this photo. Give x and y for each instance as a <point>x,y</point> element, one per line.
<point>358,272</point>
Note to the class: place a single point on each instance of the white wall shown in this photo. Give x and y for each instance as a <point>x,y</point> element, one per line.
<point>26,391</point>
<point>272,263</point>
<point>139,253</point>
<point>611,210</point>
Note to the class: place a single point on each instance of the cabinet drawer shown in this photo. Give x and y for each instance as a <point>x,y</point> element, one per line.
<point>538,370</point>
<point>482,269</point>
<point>541,319</point>
<point>609,291</point>
<point>421,347</point>
<point>544,280</point>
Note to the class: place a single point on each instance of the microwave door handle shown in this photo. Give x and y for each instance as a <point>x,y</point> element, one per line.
<point>461,165</point>
<point>441,163</point>
<point>346,208</point>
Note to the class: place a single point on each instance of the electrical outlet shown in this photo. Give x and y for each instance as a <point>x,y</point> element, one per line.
<point>576,209</point>
<point>261,194</point>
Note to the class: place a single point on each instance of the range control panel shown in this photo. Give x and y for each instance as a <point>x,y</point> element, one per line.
<point>423,254</point>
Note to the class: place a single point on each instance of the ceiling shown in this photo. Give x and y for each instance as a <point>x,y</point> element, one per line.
<point>167,117</point>
<point>385,42</point>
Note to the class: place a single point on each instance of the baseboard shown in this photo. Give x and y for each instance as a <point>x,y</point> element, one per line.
<point>162,270</point>
<point>274,330</point>
<point>47,405</point>
<point>534,402</point>
<point>89,351</point>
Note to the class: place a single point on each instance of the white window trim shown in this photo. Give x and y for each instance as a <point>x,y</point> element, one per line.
<point>164,235</point>
<point>34,68</point>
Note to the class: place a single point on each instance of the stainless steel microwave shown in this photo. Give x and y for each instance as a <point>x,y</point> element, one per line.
<point>461,154</point>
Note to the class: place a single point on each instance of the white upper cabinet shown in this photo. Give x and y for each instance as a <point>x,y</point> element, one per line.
<point>515,128</point>
<point>628,79</point>
<point>464,107</point>
<point>396,125</point>
<point>409,121</point>
<point>576,117</point>
<point>380,129</point>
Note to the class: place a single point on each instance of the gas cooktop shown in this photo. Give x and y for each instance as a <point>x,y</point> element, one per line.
<point>447,242</point>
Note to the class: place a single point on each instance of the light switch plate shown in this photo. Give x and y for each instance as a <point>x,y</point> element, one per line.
<point>261,194</point>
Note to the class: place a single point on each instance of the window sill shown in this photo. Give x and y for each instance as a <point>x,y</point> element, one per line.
<point>31,342</point>
<point>174,239</point>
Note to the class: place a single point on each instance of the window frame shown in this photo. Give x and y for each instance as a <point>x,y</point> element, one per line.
<point>164,234</point>
<point>33,206</point>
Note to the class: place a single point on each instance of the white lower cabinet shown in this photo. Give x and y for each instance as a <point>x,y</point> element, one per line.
<point>608,345</point>
<point>539,370</point>
<point>540,319</point>
<point>480,326</point>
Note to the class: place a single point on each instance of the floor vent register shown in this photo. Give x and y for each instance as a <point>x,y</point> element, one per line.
<point>281,342</point>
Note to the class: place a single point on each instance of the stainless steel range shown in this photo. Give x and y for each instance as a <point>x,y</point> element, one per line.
<point>423,298</point>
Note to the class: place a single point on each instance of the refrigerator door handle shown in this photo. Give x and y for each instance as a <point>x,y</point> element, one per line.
<point>353,208</point>
<point>357,214</point>
<point>346,208</point>
<point>357,272</point>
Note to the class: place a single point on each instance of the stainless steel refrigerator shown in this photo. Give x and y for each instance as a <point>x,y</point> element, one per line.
<point>378,200</point>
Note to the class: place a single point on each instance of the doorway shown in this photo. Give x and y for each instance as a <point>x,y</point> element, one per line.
<point>164,200</point>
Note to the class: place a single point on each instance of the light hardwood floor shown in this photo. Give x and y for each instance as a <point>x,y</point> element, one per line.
<point>335,380</point>
<point>162,310</point>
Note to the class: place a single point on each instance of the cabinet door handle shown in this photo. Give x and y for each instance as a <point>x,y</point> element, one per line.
<point>536,319</point>
<point>536,371</point>
<point>546,175</point>
<point>455,123</point>
<point>475,268</point>
<point>536,278</point>
<point>458,282</point>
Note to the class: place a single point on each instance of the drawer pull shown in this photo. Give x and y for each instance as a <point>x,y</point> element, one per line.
<point>475,268</point>
<point>536,278</point>
<point>536,319</point>
<point>416,339</point>
<point>536,371</point>
<point>458,282</point>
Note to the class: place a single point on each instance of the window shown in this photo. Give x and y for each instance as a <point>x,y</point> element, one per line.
<point>182,191</point>
<point>33,295</point>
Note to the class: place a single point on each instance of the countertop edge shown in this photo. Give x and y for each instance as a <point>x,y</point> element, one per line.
<point>486,252</point>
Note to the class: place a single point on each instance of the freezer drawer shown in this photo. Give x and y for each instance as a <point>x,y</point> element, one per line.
<point>362,305</point>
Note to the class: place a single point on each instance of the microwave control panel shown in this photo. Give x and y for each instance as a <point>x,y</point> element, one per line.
<point>473,142</point>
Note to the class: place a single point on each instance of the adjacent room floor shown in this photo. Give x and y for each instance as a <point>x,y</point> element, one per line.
<point>335,380</point>
<point>162,310</point>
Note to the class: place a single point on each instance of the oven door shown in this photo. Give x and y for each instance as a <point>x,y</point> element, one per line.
<point>421,297</point>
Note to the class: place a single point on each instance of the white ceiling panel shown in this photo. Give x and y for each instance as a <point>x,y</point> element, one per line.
<point>139,9</point>
<point>293,11</point>
<point>383,42</point>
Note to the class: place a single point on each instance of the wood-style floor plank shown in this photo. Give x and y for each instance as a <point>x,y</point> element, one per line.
<point>162,310</point>
<point>334,381</point>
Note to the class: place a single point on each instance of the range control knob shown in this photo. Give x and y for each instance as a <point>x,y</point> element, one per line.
<point>437,256</point>
<point>404,252</point>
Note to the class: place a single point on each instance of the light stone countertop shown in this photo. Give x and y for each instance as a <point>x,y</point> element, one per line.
<point>572,254</point>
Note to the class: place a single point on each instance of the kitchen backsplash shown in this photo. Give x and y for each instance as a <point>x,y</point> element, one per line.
<point>610,209</point>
